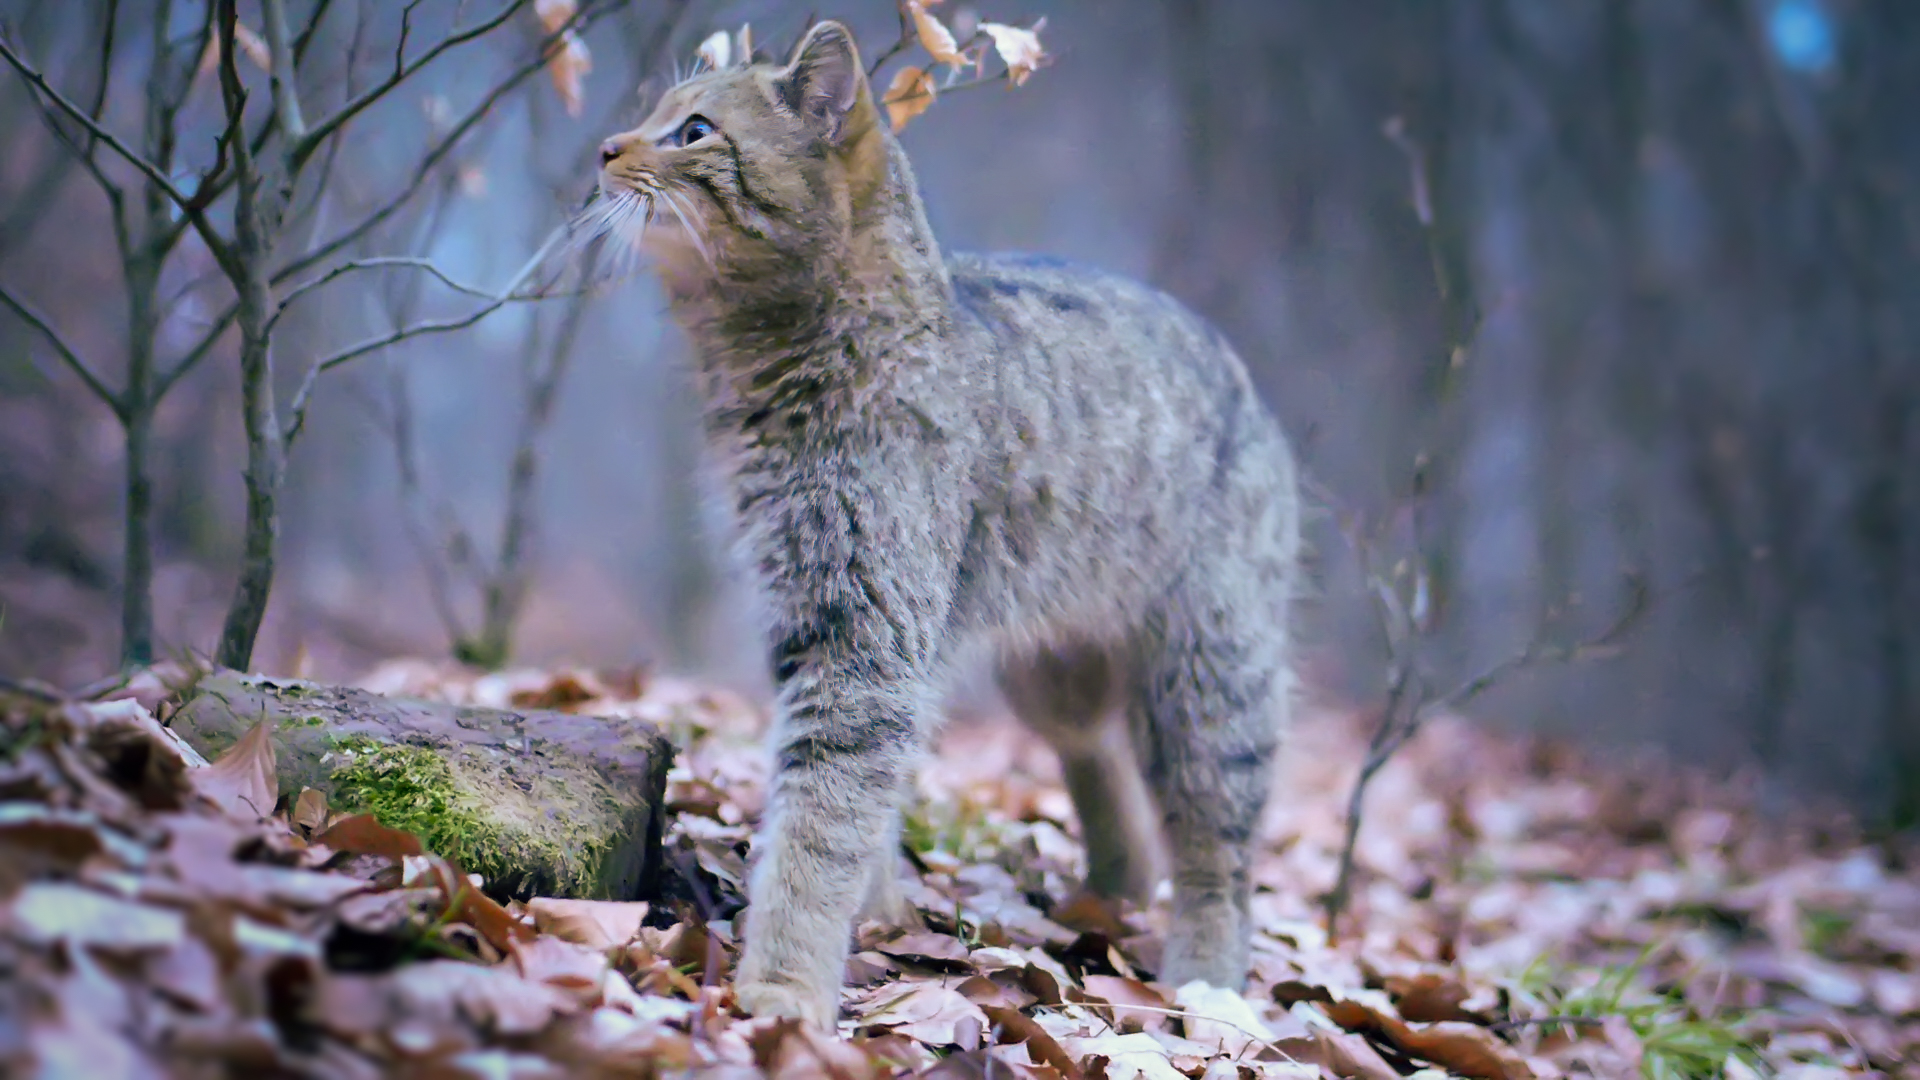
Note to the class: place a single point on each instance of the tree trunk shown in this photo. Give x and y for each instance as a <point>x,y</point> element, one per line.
<point>136,602</point>
<point>259,203</point>
<point>136,419</point>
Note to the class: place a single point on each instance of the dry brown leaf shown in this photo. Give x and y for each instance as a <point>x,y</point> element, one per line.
<point>1089,913</point>
<point>1019,49</point>
<point>1339,1053</point>
<point>910,94</point>
<point>480,911</point>
<point>440,993</point>
<point>1219,1017</point>
<point>576,969</point>
<point>361,834</point>
<point>597,924</point>
<point>242,782</point>
<point>1464,1049</point>
<point>568,65</point>
<point>386,912</point>
<point>716,51</point>
<point>942,951</point>
<point>48,911</point>
<point>1429,998</point>
<point>251,45</point>
<point>926,1012</point>
<point>554,14</point>
<point>1005,993</point>
<point>1148,1011</point>
<point>1013,1026</point>
<point>934,36</point>
<point>310,811</point>
<point>1124,1056</point>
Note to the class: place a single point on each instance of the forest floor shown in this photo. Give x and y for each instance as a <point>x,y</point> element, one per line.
<point>1523,911</point>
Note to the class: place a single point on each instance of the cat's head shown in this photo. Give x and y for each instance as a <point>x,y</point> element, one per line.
<point>748,167</point>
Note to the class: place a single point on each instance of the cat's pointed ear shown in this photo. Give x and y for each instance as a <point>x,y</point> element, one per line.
<point>824,81</point>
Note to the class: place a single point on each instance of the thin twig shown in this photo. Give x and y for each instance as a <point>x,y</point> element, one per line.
<point>304,144</point>
<point>65,351</point>
<point>286,95</point>
<point>148,169</point>
<point>298,413</point>
<point>504,297</point>
<point>307,33</point>
<point>375,263</point>
<point>193,356</point>
<point>899,46</point>
<point>587,15</point>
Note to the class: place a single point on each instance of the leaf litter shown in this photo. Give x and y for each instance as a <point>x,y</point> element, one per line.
<point>1523,911</point>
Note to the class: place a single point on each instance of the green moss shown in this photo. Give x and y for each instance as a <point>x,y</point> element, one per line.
<point>479,814</point>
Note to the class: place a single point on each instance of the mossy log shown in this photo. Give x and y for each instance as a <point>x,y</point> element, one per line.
<point>538,803</point>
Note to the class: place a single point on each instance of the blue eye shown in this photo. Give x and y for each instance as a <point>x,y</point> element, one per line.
<point>695,129</point>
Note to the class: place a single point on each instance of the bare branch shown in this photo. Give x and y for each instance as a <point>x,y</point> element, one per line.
<point>99,105</point>
<point>301,43</point>
<point>286,95</point>
<point>304,144</point>
<point>115,195</point>
<point>201,348</point>
<point>65,351</point>
<point>900,44</point>
<point>45,89</point>
<point>1537,653</point>
<point>357,265</point>
<point>439,152</point>
<point>509,294</point>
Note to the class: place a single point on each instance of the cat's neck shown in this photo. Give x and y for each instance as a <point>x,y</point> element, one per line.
<point>816,334</point>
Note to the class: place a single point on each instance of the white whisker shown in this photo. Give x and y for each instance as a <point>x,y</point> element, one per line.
<point>693,234</point>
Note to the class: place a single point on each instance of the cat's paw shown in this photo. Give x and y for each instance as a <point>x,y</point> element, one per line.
<point>775,999</point>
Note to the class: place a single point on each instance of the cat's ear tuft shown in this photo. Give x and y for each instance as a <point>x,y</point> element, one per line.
<point>824,81</point>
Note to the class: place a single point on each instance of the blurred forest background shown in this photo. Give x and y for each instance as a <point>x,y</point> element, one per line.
<point>1555,292</point>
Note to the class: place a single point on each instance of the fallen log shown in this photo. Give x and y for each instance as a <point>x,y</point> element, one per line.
<point>539,803</point>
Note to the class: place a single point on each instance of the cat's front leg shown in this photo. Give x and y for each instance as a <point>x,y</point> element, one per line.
<point>845,744</point>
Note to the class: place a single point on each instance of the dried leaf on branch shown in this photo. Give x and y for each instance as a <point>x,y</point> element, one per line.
<point>1019,49</point>
<point>910,94</point>
<point>934,36</point>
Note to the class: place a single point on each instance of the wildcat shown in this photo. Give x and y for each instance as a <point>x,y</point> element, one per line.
<point>935,459</point>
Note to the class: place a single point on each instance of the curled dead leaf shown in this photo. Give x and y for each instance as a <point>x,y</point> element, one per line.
<point>310,812</point>
<point>934,36</point>
<point>910,94</point>
<point>1013,1026</point>
<point>251,45</point>
<point>1137,1006</point>
<point>926,1012</point>
<point>717,51</point>
<point>361,834</point>
<point>242,781</point>
<point>597,924</point>
<point>568,65</point>
<point>1462,1049</point>
<point>942,951</point>
<point>554,14</point>
<point>1019,49</point>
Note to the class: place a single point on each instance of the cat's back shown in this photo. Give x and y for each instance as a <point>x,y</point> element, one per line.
<point>1102,358</point>
<point>1112,422</point>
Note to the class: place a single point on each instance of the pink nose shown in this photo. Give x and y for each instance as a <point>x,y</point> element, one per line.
<point>608,151</point>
